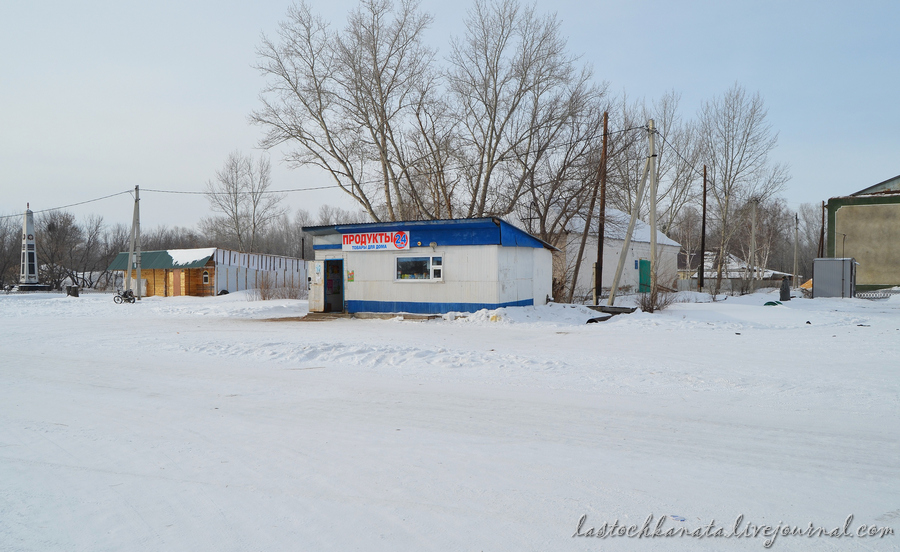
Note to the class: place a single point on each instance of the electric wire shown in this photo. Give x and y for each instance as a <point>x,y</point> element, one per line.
<point>294,190</point>
<point>71,204</point>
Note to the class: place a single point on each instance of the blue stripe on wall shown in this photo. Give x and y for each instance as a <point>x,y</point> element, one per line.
<point>429,308</point>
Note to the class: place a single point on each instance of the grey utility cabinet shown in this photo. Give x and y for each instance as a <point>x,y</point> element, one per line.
<point>834,277</point>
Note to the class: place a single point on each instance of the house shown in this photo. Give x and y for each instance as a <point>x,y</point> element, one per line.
<point>866,226</point>
<point>429,267</point>
<point>635,273</point>
<point>211,271</point>
<point>737,274</point>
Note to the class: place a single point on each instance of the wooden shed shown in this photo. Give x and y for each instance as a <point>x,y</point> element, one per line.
<point>210,271</point>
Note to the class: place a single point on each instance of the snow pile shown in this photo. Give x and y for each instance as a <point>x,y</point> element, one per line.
<point>552,314</point>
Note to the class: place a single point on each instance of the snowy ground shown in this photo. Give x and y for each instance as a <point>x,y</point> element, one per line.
<point>195,424</point>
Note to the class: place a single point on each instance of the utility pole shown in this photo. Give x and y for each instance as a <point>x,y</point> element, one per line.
<point>134,251</point>
<point>635,211</point>
<point>653,264</point>
<point>702,270</point>
<point>753,244</point>
<point>796,247</point>
<point>822,234</point>
<point>601,232</point>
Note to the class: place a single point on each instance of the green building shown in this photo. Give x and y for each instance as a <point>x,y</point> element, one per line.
<point>866,225</point>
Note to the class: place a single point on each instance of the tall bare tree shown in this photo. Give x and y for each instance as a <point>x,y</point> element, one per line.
<point>57,236</point>
<point>241,193</point>
<point>736,141</point>
<point>513,83</point>
<point>10,248</point>
<point>342,101</point>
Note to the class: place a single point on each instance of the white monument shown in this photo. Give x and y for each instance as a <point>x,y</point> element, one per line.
<point>28,273</point>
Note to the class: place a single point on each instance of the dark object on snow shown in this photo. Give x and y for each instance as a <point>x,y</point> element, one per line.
<point>126,296</point>
<point>71,291</point>
<point>223,292</point>
<point>599,319</point>
<point>785,289</point>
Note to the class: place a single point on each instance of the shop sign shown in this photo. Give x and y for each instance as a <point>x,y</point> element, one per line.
<point>376,241</point>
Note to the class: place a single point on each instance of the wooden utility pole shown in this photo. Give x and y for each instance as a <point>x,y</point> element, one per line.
<point>601,232</point>
<point>702,270</point>
<point>796,248</point>
<point>821,252</point>
<point>752,259</point>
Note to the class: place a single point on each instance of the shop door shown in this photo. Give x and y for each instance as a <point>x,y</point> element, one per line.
<point>334,285</point>
<point>316,271</point>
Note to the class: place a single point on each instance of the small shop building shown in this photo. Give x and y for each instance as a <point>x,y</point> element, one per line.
<point>211,271</point>
<point>427,267</point>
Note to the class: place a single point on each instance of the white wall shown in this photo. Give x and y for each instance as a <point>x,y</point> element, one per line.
<point>239,271</point>
<point>612,249</point>
<point>488,274</point>
<point>469,275</point>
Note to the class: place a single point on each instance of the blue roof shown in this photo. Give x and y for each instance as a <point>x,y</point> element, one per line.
<point>478,231</point>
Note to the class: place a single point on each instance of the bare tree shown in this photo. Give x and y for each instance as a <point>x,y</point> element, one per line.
<point>10,248</point>
<point>513,85</point>
<point>329,214</point>
<point>57,236</point>
<point>736,141</point>
<point>241,193</point>
<point>344,100</point>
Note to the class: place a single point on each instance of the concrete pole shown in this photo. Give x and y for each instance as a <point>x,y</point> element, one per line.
<point>635,211</point>
<point>137,222</point>
<point>796,248</point>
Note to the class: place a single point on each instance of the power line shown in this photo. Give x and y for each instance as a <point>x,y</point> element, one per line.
<point>230,193</point>
<point>71,205</point>
<point>678,153</point>
<point>292,190</point>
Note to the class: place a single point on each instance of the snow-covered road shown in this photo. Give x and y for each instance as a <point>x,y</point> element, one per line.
<point>198,424</point>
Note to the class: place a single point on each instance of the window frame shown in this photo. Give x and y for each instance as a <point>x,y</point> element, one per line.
<point>431,268</point>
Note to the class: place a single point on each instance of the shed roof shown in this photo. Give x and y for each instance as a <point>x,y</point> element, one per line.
<point>171,258</point>
<point>475,231</point>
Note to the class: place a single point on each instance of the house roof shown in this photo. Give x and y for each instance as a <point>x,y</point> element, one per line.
<point>889,185</point>
<point>735,268</point>
<point>617,225</point>
<point>475,231</point>
<point>171,258</point>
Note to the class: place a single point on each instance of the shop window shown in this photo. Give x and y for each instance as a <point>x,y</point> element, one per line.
<point>205,277</point>
<point>420,268</point>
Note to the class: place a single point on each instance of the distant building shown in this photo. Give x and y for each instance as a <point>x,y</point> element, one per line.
<point>427,267</point>
<point>737,274</point>
<point>866,226</point>
<point>635,274</point>
<point>210,271</point>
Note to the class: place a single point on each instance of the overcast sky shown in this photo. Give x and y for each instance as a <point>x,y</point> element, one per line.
<point>97,97</point>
